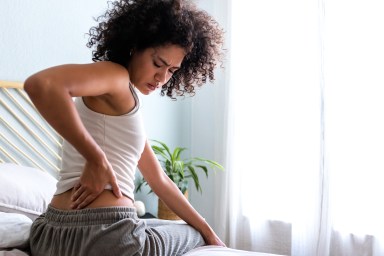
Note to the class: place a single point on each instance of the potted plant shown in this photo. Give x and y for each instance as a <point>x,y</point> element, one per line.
<point>179,170</point>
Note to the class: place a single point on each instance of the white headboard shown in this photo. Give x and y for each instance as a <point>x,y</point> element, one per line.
<point>25,137</point>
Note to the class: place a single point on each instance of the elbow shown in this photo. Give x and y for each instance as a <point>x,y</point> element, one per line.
<point>31,86</point>
<point>36,87</point>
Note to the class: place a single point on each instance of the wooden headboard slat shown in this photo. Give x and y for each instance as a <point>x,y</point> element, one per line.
<point>25,137</point>
<point>11,84</point>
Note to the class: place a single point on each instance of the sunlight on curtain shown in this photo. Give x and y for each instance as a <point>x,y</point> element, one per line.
<point>317,172</point>
<point>354,71</point>
<point>275,68</point>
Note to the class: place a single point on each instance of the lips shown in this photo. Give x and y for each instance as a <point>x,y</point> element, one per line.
<point>151,87</point>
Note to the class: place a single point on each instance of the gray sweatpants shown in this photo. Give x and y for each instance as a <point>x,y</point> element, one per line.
<point>109,231</point>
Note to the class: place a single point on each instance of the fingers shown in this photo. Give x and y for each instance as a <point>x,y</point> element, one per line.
<point>116,188</point>
<point>77,191</point>
<point>83,202</point>
<point>91,184</point>
<point>82,196</point>
<point>82,199</point>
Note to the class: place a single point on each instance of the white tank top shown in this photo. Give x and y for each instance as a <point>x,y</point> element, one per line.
<point>122,138</point>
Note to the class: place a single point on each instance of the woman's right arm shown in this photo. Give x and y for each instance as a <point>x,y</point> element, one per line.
<point>51,91</point>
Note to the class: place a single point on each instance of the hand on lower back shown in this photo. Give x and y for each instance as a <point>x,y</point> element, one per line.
<point>92,182</point>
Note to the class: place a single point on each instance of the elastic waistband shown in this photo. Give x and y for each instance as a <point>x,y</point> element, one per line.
<point>89,216</point>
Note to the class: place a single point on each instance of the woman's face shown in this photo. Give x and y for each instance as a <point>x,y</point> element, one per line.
<point>151,68</point>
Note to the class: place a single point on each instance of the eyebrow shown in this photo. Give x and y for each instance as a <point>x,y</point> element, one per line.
<point>165,63</point>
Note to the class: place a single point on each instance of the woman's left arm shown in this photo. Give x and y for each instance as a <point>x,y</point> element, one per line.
<point>170,194</point>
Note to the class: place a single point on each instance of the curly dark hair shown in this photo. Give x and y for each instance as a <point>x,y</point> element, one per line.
<point>140,24</point>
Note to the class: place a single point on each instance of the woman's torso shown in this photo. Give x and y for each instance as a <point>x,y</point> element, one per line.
<point>120,134</point>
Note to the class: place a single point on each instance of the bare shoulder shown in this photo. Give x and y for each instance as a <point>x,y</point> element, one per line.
<point>106,70</point>
<point>114,96</point>
<point>114,75</point>
<point>109,67</point>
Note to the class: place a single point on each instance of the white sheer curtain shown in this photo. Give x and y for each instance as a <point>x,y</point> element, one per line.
<point>305,128</point>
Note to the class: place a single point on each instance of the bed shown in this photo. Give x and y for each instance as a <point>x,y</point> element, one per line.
<point>29,166</point>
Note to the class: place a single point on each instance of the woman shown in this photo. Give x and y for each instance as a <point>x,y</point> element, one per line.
<point>140,46</point>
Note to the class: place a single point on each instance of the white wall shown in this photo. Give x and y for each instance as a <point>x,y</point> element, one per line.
<point>39,34</point>
<point>207,117</point>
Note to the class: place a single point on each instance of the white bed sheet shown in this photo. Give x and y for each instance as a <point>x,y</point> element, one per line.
<point>14,252</point>
<point>202,251</point>
<point>223,251</point>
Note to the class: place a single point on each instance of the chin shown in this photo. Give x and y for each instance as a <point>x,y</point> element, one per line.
<point>146,92</point>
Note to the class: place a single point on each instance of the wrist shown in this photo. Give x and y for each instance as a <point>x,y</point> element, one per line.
<point>206,230</point>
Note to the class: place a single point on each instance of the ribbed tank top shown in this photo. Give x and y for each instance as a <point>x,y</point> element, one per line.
<point>122,138</point>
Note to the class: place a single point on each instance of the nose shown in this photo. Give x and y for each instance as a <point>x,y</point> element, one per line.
<point>160,77</point>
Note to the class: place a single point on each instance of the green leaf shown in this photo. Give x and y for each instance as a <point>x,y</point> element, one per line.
<point>138,187</point>
<point>213,164</point>
<point>204,168</point>
<point>178,167</point>
<point>195,178</point>
<point>177,152</point>
<point>183,186</point>
<point>178,170</point>
<point>168,167</point>
<point>159,151</point>
<point>165,147</point>
<point>172,177</point>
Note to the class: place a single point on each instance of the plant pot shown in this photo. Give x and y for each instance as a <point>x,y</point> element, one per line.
<point>163,212</point>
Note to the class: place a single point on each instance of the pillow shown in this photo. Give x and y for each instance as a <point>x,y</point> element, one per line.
<point>14,230</point>
<point>25,190</point>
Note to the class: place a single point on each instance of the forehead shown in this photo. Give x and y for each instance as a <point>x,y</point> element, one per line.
<point>171,54</point>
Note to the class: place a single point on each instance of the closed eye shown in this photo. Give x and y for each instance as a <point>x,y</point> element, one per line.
<point>174,70</point>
